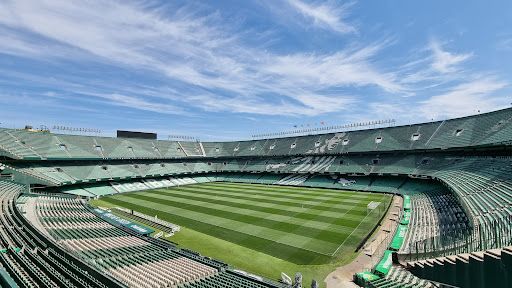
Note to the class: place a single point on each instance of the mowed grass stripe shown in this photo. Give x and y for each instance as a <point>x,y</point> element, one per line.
<point>341,219</point>
<point>270,196</point>
<point>270,191</point>
<point>316,221</point>
<point>324,225</point>
<point>282,251</point>
<point>358,211</point>
<point>237,203</point>
<point>275,249</point>
<point>338,204</point>
<point>280,214</point>
<point>217,207</point>
<point>272,229</point>
<point>253,229</point>
<point>282,190</point>
<point>285,198</point>
<point>276,210</point>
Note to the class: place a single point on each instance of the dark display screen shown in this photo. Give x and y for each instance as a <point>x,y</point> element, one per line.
<point>133,134</point>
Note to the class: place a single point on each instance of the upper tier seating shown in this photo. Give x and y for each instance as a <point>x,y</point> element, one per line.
<point>483,129</point>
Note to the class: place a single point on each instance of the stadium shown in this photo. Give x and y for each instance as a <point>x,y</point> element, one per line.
<point>79,211</point>
<point>255,144</point>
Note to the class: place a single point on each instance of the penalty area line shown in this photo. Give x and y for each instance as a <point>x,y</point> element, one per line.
<point>332,254</point>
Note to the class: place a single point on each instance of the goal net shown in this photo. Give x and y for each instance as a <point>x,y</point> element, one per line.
<point>371,206</point>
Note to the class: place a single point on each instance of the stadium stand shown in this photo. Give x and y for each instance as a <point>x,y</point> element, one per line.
<point>353,183</point>
<point>396,277</point>
<point>454,176</point>
<point>386,184</point>
<point>325,181</point>
<point>124,255</point>
<point>32,267</point>
<point>484,129</point>
<point>490,268</point>
<point>249,178</point>
<point>200,178</point>
<point>293,180</point>
<point>433,214</point>
<point>269,178</point>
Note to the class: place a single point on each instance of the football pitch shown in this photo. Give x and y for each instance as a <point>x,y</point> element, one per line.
<point>299,225</point>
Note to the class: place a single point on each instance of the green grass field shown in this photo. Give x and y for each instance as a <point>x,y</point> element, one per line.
<point>261,227</point>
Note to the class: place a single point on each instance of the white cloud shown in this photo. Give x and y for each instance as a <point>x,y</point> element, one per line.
<point>197,53</point>
<point>459,91</point>
<point>135,103</point>
<point>465,99</point>
<point>326,15</point>
<point>353,66</point>
<point>444,61</point>
<point>431,67</point>
<point>309,105</point>
<point>30,101</point>
<point>201,62</point>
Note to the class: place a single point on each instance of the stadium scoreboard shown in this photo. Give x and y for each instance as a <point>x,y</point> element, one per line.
<point>134,134</point>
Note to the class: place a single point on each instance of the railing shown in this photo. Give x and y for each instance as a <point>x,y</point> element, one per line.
<point>263,278</point>
<point>10,152</point>
<point>377,256</point>
<point>496,234</point>
<point>173,227</point>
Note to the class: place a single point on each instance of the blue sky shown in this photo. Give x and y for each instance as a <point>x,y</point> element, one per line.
<point>224,70</point>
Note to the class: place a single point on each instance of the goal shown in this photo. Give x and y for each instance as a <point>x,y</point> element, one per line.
<point>371,206</point>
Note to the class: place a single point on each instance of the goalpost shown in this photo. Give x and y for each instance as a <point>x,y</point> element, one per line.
<point>371,206</point>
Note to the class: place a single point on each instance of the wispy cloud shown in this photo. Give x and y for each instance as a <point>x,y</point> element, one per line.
<point>465,99</point>
<point>326,15</point>
<point>309,105</point>
<point>349,67</point>
<point>187,60</point>
<point>48,101</point>
<point>196,52</point>
<point>444,61</point>
<point>445,86</point>
<point>135,103</point>
<point>433,66</point>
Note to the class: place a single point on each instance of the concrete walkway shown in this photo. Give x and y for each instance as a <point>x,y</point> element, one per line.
<point>342,276</point>
<point>30,214</point>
